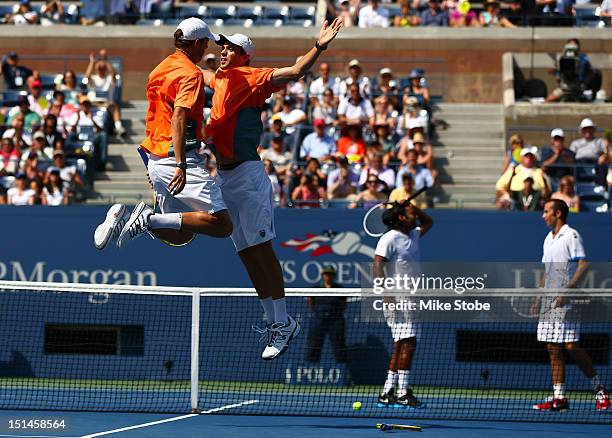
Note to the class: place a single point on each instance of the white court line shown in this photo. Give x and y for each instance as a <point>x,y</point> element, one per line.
<point>168,420</point>
<point>38,436</point>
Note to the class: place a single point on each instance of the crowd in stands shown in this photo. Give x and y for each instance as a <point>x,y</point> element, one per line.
<point>370,14</point>
<point>54,132</point>
<point>579,174</point>
<point>349,141</point>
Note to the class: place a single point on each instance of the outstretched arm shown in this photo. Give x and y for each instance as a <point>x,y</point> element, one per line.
<point>285,75</point>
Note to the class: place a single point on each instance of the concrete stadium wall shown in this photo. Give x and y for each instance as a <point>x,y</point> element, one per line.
<point>472,57</point>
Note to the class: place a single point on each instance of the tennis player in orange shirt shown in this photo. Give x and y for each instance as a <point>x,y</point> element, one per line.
<point>233,132</point>
<point>187,194</point>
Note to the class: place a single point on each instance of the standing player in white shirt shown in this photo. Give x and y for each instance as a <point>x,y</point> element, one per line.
<point>400,246</point>
<point>565,264</point>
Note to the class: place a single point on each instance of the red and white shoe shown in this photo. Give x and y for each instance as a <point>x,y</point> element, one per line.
<point>602,400</point>
<point>553,405</point>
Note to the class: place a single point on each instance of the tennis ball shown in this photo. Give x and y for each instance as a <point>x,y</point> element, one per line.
<point>357,405</point>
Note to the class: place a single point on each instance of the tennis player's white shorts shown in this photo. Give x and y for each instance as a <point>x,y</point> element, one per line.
<point>556,327</point>
<point>201,192</point>
<point>249,197</point>
<point>401,324</point>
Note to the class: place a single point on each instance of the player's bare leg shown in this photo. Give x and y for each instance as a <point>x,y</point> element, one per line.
<point>405,397</point>
<point>388,396</point>
<point>558,402</point>
<point>584,362</point>
<point>266,275</point>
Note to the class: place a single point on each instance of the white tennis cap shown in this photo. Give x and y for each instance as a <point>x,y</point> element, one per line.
<point>587,123</point>
<point>557,132</point>
<point>239,40</point>
<point>196,29</point>
<point>529,150</point>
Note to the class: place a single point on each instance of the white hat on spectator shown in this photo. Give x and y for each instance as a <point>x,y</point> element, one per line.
<point>557,132</point>
<point>354,63</point>
<point>385,71</point>
<point>587,123</point>
<point>529,150</point>
<point>239,40</point>
<point>195,29</point>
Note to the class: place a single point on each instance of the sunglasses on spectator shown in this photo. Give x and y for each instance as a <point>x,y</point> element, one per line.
<point>373,181</point>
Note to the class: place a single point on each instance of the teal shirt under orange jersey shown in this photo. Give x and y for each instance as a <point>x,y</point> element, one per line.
<point>235,117</point>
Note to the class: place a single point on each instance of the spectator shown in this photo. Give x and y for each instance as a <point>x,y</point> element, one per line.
<point>605,10</point>
<point>356,109</point>
<point>370,195</point>
<point>63,112</point>
<point>347,10</point>
<point>69,175</point>
<point>327,109</point>
<point>323,83</point>
<point>418,87</point>
<point>412,115</point>
<point>40,148</point>
<point>327,319</point>
<point>52,13</point>
<point>424,152</point>
<point>308,194</point>
<point>513,157</point>
<point>277,190</point>
<point>590,150</point>
<point>32,169</point>
<point>291,116</point>
<point>21,139</point>
<point>382,115</point>
<point>434,15</point>
<point>528,199</point>
<point>31,119</point>
<point>384,174</point>
<point>491,16</point>
<point>406,190</point>
<point>351,144</point>
<point>38,103</point>
<point>68,84</point>
<point>318,144</point>
<point>355,77</point>
<point>157,8</point>
<point>276,130</point>
<point>557,160</point>
<point>420,174</point>
<point>512,179</point>
<point>567,194</point>
<point>50,131</point>
<point>342,181</point>
<point>24,15</point>
<point>15,75</point>
<point>387,86</point>
<point>554,7</point>
<point>9,164</point>
<point>37,188</point>
<point>313,168</point>
<point>405,17</point>
<point>102,81</point>
<point>276,154</point>
<point>90,123</point>
<point>20,194</point>
<point>92,12</point>
<point>210,62</point>
<point>383,137</point>
<point>458,18</point>
<point>373,15</point>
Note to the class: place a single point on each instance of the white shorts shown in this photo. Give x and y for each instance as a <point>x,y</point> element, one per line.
<point>201,192</point>
<point>555,327</point>
<point>401,325</point>
<point>249,197</point>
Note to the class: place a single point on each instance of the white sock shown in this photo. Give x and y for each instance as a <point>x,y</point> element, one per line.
<point>595,381</point>
<point>172,221</point>
<point>280,310</point>
<point>268,307</point>
<point>403,382</point>
<point>390,382</point>
<point>559,390</point>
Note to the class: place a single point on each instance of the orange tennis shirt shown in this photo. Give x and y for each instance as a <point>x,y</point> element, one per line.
<point>176,81</point>
<point>235,117</point>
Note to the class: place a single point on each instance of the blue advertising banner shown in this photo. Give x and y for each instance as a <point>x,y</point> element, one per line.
<point>56,244</point>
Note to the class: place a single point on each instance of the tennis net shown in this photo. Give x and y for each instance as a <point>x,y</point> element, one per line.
<point>157,349</point>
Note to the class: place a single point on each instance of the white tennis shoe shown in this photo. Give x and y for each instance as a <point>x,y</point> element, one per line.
<point>116,217</point>
<point>280,336</point>
<point>137,225</point>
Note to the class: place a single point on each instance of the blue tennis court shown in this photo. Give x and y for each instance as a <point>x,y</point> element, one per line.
<point>90,425</point>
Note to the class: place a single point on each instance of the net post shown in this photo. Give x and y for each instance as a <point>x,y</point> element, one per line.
<point>195,349</point>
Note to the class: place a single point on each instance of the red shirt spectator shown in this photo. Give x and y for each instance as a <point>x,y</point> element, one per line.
<point>351,144</point>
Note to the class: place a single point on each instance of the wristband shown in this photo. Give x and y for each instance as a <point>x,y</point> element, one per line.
<point>320,47</point>
<point>181,165</point>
